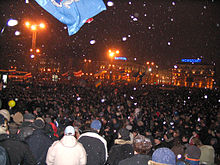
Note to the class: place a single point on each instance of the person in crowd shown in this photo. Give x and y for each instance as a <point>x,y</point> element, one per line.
<point>207,153</point>
<point>15,124</point>
<point>94,144</point>
<point>122,149</point>
<point>18,151</point>
<point>4,159</point>
<point>142,146</point>
<point>163,156</point>
<point>192,154</point>
<point>178,149</point>
<point>66,151</point>
<point>6,114</point>
<point>39,142</point>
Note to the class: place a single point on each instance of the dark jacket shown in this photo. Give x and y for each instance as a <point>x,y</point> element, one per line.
<point>136,160</point>
<point>39,144</point>
<point>121,150</point>
<point>18,151</point>
<point>96,148</point>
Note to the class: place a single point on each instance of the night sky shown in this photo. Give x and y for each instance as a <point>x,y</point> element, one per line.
<point>162,31</point>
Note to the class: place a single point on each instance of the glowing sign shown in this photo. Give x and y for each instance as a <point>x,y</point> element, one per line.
<point>191,60</point>
<point>120,58</point>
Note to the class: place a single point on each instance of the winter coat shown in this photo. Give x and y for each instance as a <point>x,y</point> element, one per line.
<point>4,159</point>
<point>121,150</point>
<point>96,148</point>
<point>136,159</point>
<point>18,151</point>
<point>39,144</point>
<point>66,151</point>
<point>207,154</point>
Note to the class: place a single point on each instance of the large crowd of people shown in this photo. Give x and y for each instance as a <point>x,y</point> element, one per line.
<point>79,124</point>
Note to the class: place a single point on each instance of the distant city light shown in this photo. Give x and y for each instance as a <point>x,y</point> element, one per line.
<point>120,58</point>
<point>205,96</point>
<point>32,56</point>
<point>175,66</point>
<point>191,60</point>
<point>150,69</point>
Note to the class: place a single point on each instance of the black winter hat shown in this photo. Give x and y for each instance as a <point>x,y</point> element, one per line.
<point>125,134</point>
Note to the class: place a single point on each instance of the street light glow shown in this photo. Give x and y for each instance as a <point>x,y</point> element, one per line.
<point>42,25</point>
<point>38,50</point>
<point>117,51</point>
<point>33,27</point>
<point>27,24</point>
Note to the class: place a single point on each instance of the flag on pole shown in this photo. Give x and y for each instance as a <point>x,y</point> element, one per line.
<point>98,83</point>
<point>78,74</point>
<point>73,13</point>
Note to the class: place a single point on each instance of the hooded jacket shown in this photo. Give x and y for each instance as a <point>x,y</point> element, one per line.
<point>66,151</point>
<point>121,150</point>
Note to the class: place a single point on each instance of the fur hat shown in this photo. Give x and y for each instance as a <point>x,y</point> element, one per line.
<point>142,144</point>
<point>96,124</point>
<point>18,118</point>
<point>5,113</point>
<point>124,134</point>
<point>164,156</point>
<point>69,130</point>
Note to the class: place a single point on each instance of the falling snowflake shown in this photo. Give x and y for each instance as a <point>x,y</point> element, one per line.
<point>110,3</point>
<point>17,33</point>
<point>124,38</point>
<point>92,42</point>
<point>173,3</point>
<point>169,43</point>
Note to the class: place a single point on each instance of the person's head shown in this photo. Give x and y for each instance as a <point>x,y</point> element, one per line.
<point>18,118</point>
<point>163,156</point>
<point>39,123</point>
<point>124,134</point>
<point>29,117</point>
<point>96,125</point>
<point>142,145</point>
<point>69,131</point>
<point>6,114</point>
<point>192,154</point>
<point>3,125</point>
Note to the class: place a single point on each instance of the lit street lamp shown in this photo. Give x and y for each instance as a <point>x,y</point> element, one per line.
<point>34,28</point>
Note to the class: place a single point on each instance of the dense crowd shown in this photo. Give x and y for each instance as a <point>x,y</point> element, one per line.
<point>137,124</point>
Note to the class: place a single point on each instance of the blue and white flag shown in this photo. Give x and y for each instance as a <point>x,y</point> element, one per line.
<point>73,13</point>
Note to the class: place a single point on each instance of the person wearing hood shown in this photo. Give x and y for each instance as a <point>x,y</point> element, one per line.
<point>66,151</point>
<point>122,149</point>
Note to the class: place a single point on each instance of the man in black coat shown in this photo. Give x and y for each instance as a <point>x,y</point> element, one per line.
<point>39,142</point>
<point>18,151</point>
<point>94,144</point>
<point>122,149</point>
